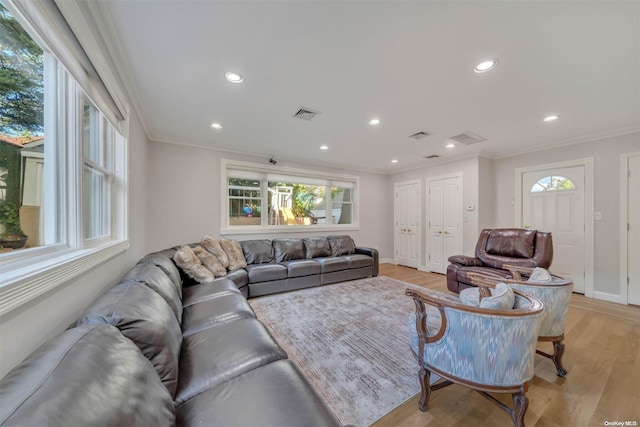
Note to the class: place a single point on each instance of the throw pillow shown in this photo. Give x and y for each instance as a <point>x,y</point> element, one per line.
<point>188,261</point>
<point>234,251</point>
<point>502,298</point>
<point>539,274</point>
<point>213,246</point>
<point>210,261</point>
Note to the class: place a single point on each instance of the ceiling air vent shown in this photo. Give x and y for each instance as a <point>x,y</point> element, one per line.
<point>432,156</point>
<point>467,138</point>
<point>306,114</point>
<point>419,135</point>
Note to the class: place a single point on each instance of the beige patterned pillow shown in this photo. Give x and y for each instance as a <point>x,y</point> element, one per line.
<point>188,261</point>
<point>210,261</point>
<point>235,254</point>
<point>212,245</point>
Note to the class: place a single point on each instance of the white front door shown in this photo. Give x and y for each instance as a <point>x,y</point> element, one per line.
<point>553,200</point>
<point>633,230</point>
<point>445,221</point>
<point>407,212</point>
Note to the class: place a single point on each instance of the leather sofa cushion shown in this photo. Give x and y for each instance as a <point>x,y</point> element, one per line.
<point>145,318</point>
<point>301,267</point>
<point>218,354</point>
<point>216,311</point>
<point>86,376</point>
<point>515,243</point>
<point>315,247</point>
<point>288,249</point>
<point>205,291</point>
<point>274,395</point>
<point>257,251</point>
<point>266,272</point>
<point>341,245</point>
<point>240,277</point>
<point>331,264</point>
<point>358,261</point>
<point>164,261</point>
<point>152,276</point>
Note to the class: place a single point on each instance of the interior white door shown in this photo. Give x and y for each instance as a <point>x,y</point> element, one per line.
<point>445,221</point>
<point>633,231</point>
<point>553,200</point>
<point>407,208</point>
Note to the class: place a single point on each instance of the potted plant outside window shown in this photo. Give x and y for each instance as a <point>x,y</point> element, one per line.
<point>12,237</point>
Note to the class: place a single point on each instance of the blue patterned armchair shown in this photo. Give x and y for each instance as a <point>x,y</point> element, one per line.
<point>554,294</point>
<point>488,350</point>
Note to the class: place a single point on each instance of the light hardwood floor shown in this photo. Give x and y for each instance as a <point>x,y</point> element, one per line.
<point>603,384</point>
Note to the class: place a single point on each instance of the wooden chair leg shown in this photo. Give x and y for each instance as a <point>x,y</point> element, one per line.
<point>425,376</point>
<point>520,405</point>
<point>558,351</point>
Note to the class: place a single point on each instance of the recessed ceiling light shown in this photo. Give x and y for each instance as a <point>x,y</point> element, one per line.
<point>451,145</point>
<point>485,66</point>
<point>216,125</point>
<point>324,147</point>
<point>374,122</point>
<point>394,161</point>
<point>551,118</point>
<point>233,77</point>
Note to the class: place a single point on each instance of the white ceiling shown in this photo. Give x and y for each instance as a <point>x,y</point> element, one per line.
<point>410,64</point>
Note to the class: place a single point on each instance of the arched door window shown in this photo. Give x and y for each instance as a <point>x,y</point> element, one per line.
<point>553,183</point>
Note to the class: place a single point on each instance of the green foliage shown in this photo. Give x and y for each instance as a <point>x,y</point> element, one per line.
<point>9,217</point>
<point>21,79</point>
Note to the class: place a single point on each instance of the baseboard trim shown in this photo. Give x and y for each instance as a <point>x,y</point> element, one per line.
<point>605,296</point>
<point>387,261</point>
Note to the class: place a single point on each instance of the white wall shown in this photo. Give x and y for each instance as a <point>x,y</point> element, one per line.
<point>25,328</point>
<point>183,199</point>
<point>469,169</point>
<point>606,158</point>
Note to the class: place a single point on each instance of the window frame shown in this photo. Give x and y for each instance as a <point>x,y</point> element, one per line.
<point>65,253</point>
<point>267,172</point>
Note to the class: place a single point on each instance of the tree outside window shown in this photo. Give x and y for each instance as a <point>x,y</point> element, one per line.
<point>21,122</point>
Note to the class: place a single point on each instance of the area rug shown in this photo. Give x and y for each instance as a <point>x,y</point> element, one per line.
<point>351,341</point>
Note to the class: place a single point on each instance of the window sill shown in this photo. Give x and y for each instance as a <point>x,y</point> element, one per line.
<point>22,284</point>
<point>275,229</point>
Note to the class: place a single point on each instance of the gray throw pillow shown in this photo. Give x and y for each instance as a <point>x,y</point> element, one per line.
<point>342,245</point>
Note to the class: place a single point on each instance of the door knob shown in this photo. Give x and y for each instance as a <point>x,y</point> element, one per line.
<point>526,226</point>
<point>446,232</point>
<point>439,232</point>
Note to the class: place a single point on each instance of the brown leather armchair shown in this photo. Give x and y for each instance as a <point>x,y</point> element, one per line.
<point>497,247</point>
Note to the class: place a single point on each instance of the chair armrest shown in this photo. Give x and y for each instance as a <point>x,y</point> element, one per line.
<point>465,260</point>
<point>419,299</point>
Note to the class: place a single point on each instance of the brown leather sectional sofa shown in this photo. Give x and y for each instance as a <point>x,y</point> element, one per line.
<point>152,352</point>
<point>497,247</point>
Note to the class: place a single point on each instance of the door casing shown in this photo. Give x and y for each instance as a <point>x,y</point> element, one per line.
<point>587,163</point>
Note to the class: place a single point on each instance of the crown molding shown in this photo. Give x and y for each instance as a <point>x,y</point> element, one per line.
<point>570,141</point>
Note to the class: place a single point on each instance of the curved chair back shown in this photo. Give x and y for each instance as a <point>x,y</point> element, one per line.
<point>555,295</point>
<point>488,350</point>
<point>493,349</point>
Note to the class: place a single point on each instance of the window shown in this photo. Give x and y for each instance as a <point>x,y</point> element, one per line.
<point>552,183</point>
<point>63,159</point>
<point>290,199</point>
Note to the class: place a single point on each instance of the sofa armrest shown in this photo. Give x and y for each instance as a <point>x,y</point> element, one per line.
<point>373,253</point>
<point>465,260</point>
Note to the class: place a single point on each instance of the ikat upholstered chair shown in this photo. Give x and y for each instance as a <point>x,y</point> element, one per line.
<point>554,292</point>
<point>488,350</point>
